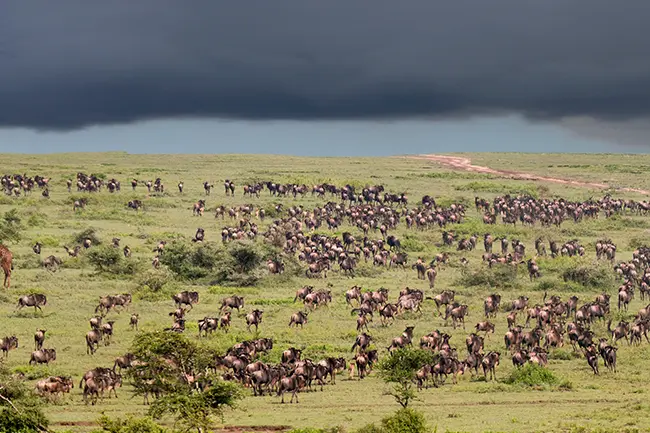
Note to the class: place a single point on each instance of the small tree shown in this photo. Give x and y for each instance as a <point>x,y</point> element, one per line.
<point>10,227</point>
<point>167,360</point>
<point>399,369</point>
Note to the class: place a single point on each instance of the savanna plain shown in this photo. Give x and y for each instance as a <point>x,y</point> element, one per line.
<point>575,400</point>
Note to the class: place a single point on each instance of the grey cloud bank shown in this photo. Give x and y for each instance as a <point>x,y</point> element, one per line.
<point>71,63</point>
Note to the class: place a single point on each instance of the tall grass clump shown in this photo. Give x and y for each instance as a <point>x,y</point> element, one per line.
<point>532,375</point>
<point>502,276</point>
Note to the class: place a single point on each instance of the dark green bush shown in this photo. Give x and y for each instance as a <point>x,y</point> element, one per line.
<point>89,233</point>
<point>110,260</point>
<point>404,420</point>
<point>238,263</point>
<point>20,408</point>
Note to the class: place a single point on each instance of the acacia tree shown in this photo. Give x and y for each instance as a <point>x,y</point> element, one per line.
<point>174,369</point>
<point>399,369</point>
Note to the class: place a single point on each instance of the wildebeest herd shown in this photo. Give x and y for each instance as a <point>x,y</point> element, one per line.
<point>367,220</point>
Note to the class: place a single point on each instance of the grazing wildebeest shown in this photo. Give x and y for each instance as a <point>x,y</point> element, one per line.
<point>54,385</point>
<point>39,338</point>
<point>126,251</point>
<point>37,247</point>
<point>233,301</point>
<point>186,298</point>
<point>299,318</point>
<point>254,318</point>
<point>135,318</point>
<point>93,338</point>
<point>7,344</point>
<point>42,356</point>
<point>135,204</point>
<point>6,262</point>
<point>33,300</point>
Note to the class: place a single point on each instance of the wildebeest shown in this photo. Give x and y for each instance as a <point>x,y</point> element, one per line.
<point>233,301</point>
<point>224,321</point>
<point>403,340</point>
<point>133,322</point>
<point>93,338</point>
<point>39,338</point>
<point>124,361</point>
<point>35,300</point>
<point>42,356</point>
<point>291,384</point>
<point>54,385</point>
<point>291,355</point>
<point>7,344</point>
<point>186,298</point>
<point>299,318</point>
<point>254,318</point>
<point>52,263</point>
<point>489,364</point>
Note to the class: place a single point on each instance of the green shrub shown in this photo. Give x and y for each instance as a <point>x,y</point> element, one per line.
<point>31,372</point>
<point>500,276</point>
<point>110,260</point>
<point>591,276</point>
<point>238,263</point>
<point>496,187</point>
<point>46,241</point>
<point>89,233</point>
<point>155,285</point>
<point>404,420</point>
<point>23,414</point>
<point>532,375</point>
<point>637,242</point>
<point>155,279</point>
<point>130,425</point>
<point>411,243</point>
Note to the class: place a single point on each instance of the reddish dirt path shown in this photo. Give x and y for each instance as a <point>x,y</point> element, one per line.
<point>465,164</point>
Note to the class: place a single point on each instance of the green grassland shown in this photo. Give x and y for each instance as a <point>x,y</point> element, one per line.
<point>609,402</point>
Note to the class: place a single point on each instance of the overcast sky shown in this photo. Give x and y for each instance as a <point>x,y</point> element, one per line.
<point>332,77</point>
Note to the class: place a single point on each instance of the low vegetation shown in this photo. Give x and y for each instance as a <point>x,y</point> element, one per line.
<point>199,299</point>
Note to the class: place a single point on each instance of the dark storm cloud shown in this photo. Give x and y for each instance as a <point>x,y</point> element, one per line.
<point>68,64</point>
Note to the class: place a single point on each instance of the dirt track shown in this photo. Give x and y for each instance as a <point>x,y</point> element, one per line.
<point>465,164</point>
